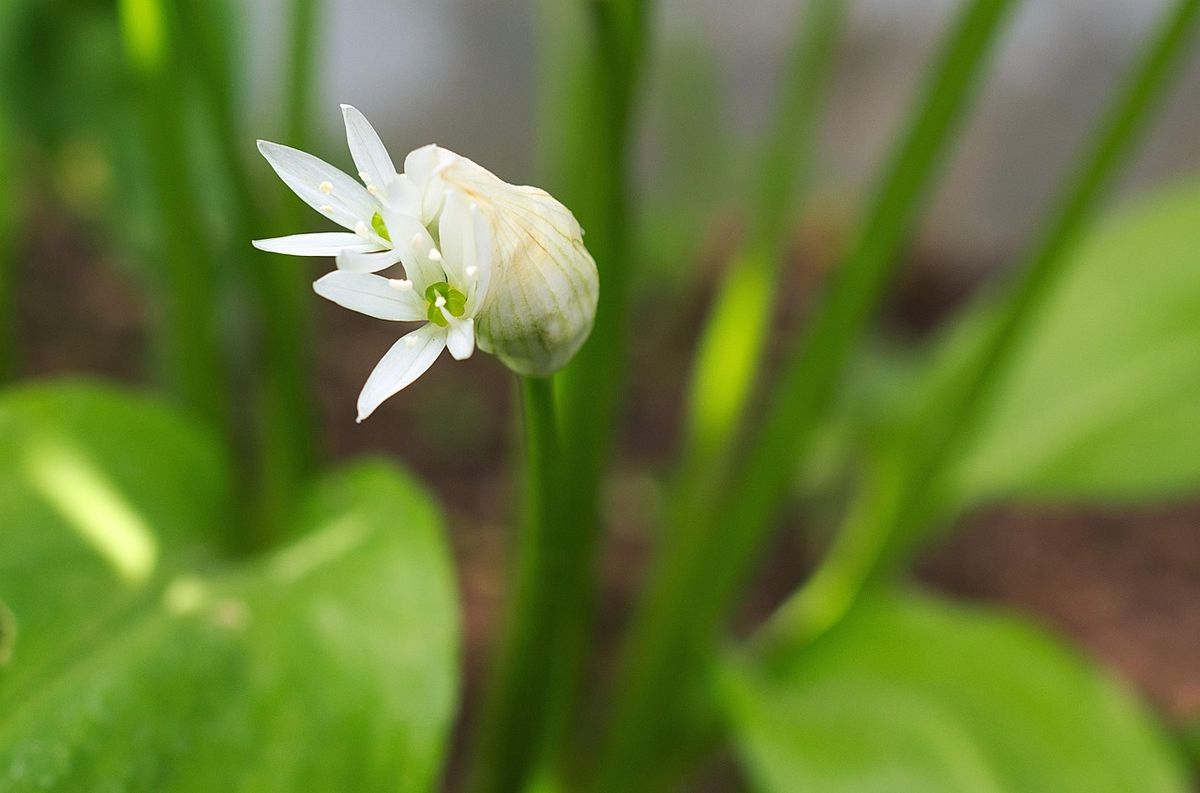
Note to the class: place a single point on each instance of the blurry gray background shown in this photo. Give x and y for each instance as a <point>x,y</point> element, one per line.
<point>461,73</point>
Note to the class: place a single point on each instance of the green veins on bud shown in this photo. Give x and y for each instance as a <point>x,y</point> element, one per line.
<point>545,287</point>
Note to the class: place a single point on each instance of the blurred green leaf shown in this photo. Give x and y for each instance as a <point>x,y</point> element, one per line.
<point>141,663</point>
<point>912,695</point>
<point>101,492</point>
<point>1099,401</point>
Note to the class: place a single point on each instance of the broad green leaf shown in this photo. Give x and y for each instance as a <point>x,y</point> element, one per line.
<point>100,492</point>
<point>1100,402</point>
<point>909,695</point>
<point>330,665</point>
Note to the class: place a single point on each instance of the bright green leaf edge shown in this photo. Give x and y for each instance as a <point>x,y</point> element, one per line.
<point>912,694</point>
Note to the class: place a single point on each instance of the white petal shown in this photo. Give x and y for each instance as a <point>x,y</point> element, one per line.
<point>320,185</point>
<point>325,243</point>
<point>422,166</point>
<point>408,359</point>
<point>421,163</point>
<point>372,295</point>
<point>413,242</point>
<point>460,338</point>
<point>482,261</point>
<point>373,262</point>
<point>403,196</point>
<point>370,156</point>
<point>457,235</point>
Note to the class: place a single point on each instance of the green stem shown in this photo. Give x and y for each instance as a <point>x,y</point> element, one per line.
<point>594,183</point>
<point>597,188</point>
<point>302,65</point>
<point>521,705</point>
<point>892,516</point>
<point>280,368</point>
<point>9,224</point>
<point>731,344</point>
<point>717,530</point>
<point>190,352</point>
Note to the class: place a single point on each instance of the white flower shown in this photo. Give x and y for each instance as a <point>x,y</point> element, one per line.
<point>445,288</point>
<point>484,260</point>
<point>543,298</point>
<point>386,203</point>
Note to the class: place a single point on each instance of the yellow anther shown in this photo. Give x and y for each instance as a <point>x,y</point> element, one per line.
<point>326,188</point>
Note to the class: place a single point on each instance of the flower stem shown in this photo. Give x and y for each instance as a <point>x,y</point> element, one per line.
<point>190,353</point>
<point>717,530</point>
<point>521,702</point>
<point>892,516</point>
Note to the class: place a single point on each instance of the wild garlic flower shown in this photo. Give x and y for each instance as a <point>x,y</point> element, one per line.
<point>543,297</point>
<point>485,262</point>
<point>365,209</point>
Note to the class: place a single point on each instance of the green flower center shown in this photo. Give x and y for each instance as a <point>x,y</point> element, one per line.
<point>379,227</point>
<point>454,301</point>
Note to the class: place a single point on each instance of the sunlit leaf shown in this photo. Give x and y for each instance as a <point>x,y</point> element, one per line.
<point>141,663</point>
<point>1100,401</point>
<point>913,696</point>
<point>100,491</point>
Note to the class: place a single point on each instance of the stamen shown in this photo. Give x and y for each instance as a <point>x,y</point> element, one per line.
<point>372,189</point>
<point>435,255</point>
<point>409,341</point>
<point>360,228</point>
<point>400,284</point>
<point>472,271</point>
<point>327,209</point>
<point>326,188</point>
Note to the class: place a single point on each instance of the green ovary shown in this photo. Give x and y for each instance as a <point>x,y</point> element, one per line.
<point>456,303</point>
<point>378,226</point>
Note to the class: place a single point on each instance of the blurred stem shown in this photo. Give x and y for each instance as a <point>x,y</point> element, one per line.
<point>189,342</point>
<point>12,213</point>
<point>300,94</point>
<point>598,190</point>
<point>279,370</point>
<point>731,344</point>
<point>9,224</point>
<point>1188,737</point>
<point>883,529</point>
<point>520,705</point>
<point>593,181</point>
<point>717,530</point>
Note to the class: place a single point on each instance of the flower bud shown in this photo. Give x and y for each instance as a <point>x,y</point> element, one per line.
<point>542,300</point>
